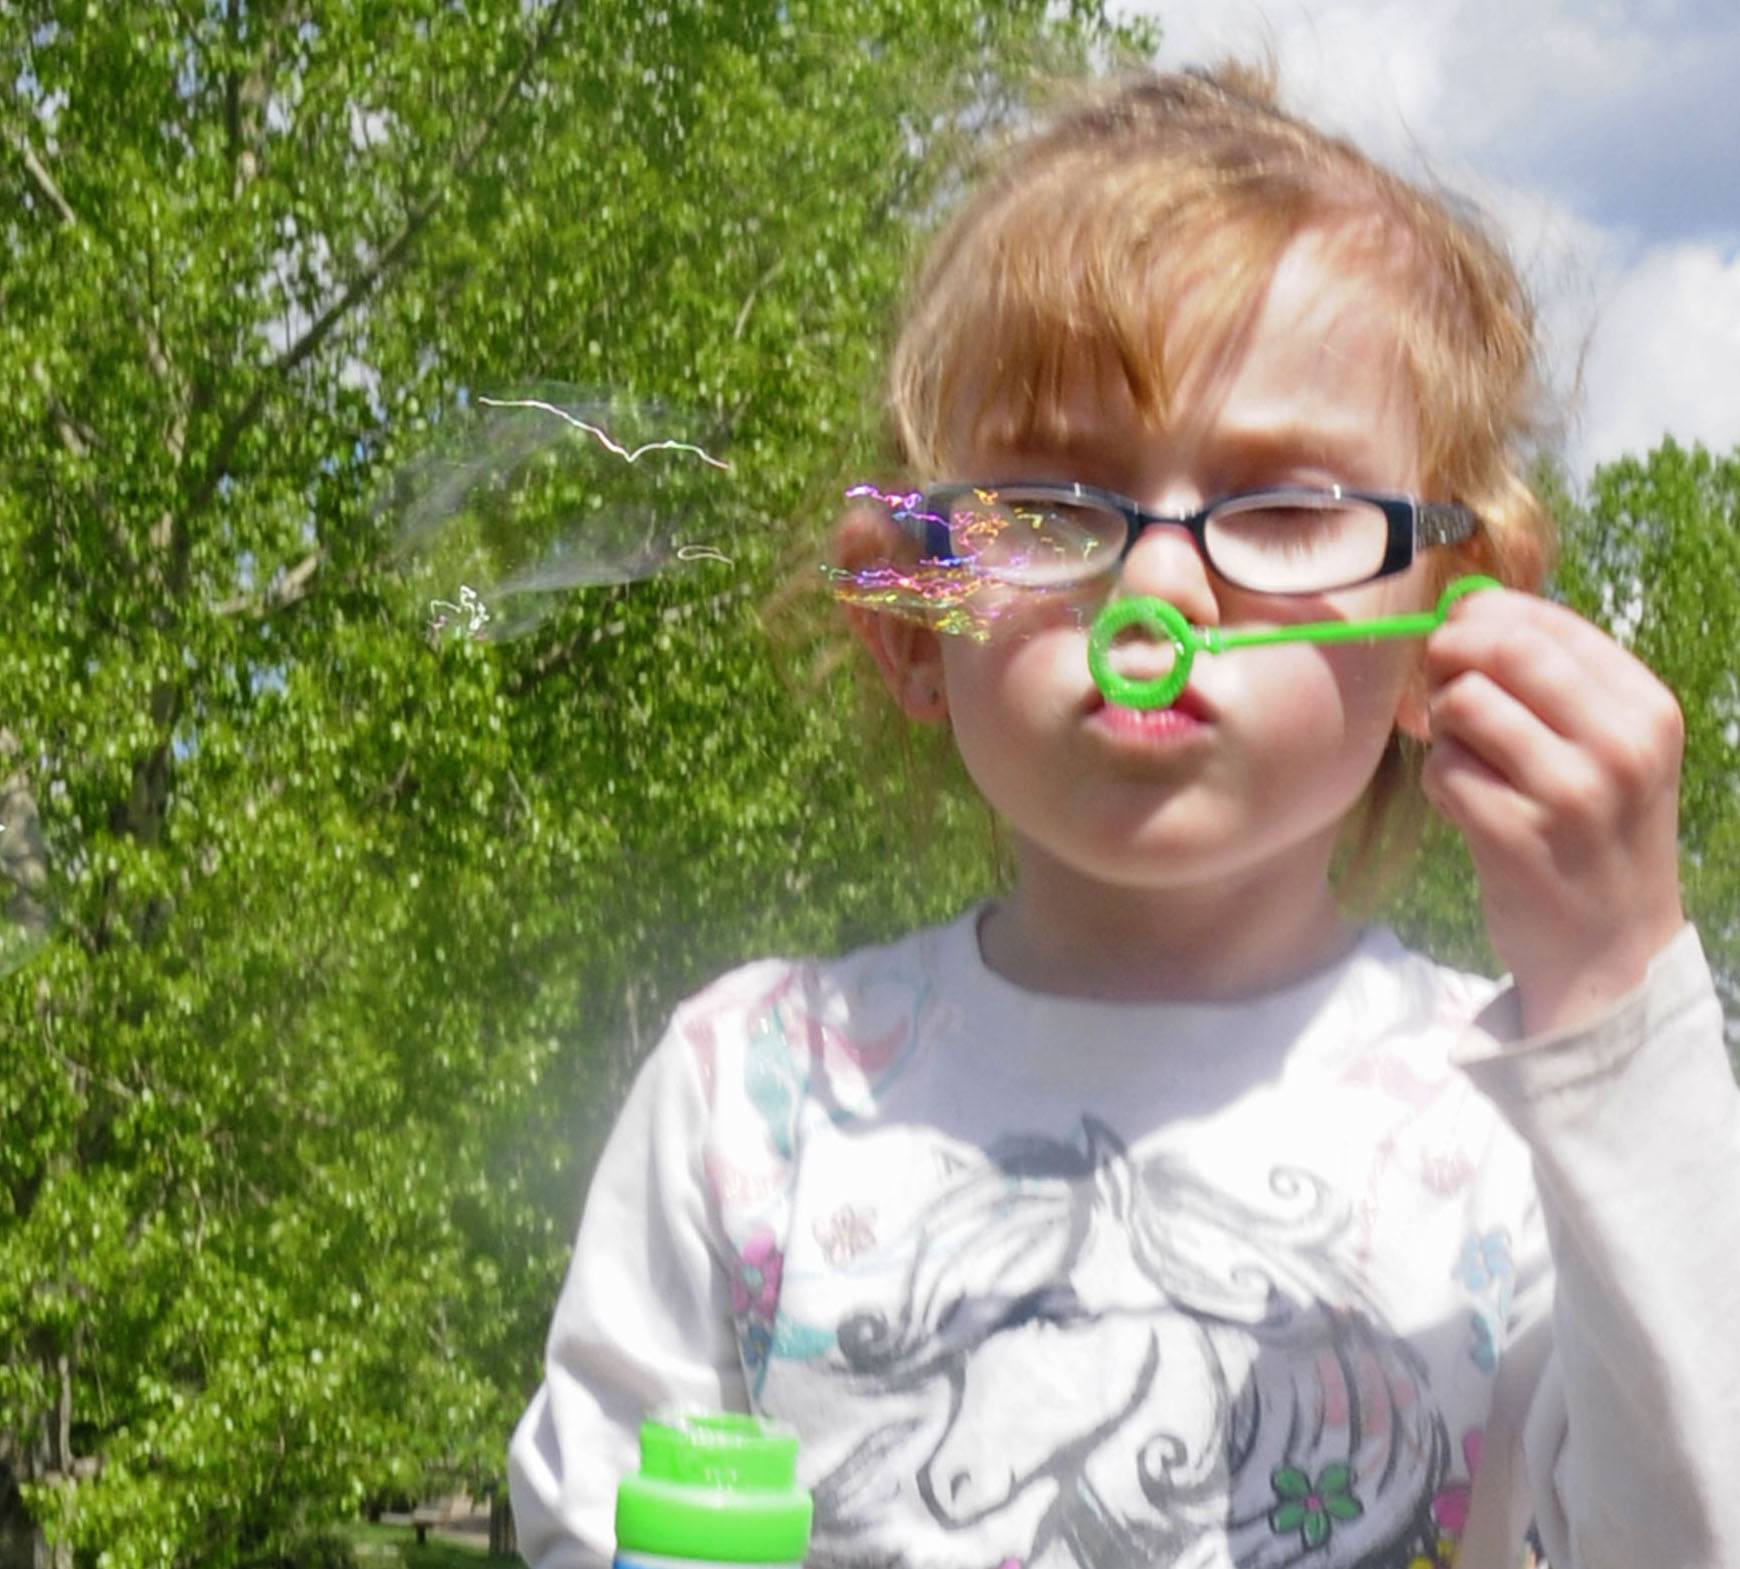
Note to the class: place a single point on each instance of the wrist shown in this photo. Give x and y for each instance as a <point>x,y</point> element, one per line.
<point>1552,998</point>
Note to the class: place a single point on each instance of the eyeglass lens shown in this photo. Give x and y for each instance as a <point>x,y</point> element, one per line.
<point>1276,542</point>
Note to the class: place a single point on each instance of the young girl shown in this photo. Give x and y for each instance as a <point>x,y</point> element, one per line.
<point>1155,1215</point>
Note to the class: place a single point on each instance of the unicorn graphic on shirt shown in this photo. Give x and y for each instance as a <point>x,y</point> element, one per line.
<point>1094,1362</point>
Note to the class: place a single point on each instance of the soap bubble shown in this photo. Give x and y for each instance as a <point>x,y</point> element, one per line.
<point>956,601</point>
<point>950,595</point>
<point>526,496</point>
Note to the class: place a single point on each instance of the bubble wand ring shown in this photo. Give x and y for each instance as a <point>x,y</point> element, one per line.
<point>1161,619</point>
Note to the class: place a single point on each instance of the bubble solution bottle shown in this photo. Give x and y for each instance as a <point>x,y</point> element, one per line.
<point>713,1489</point>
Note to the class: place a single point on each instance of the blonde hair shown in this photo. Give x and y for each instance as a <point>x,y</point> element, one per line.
<point>1139,229</point>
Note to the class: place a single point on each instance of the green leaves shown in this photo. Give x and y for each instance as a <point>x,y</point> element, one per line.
<point>359,935</point>
<point>1654,555</point>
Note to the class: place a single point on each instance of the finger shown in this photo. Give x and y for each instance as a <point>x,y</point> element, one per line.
<point>1468,791</point>
<point>1504,829</point>
<point>1511,742</point>
<point>1622,722</point>
<point>1567,671</point>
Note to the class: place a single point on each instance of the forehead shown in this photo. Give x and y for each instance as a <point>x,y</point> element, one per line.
<point>1305,352</point>
<point>1320,365</point>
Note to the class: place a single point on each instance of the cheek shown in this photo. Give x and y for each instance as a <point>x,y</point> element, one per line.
<point>1011,681</point>
<point>1010,701</point>
<point>1369,682</point>
<point>1328,711</point>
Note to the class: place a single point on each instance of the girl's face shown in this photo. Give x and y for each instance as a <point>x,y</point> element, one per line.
<point>1256,765</point>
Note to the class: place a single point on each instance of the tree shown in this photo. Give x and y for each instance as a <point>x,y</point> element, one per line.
<point>1654,556</point>
<point>297,1099</point>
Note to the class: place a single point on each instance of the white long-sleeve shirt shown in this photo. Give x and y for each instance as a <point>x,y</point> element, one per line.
<point>1340,1275</point>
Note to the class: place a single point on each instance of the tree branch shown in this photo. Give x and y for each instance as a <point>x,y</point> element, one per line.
<point>754,294</point>
<point>76,437</point>
<point>245,99</point>
<point>45,181</point>
<point>363,284</point>
<point>559,657</point>
<point>153,344</point>
<point>284,590</point>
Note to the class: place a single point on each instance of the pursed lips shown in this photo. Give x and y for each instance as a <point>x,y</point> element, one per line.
<point>1190,702</point>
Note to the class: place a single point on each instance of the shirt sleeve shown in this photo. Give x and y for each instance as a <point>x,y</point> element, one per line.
<point>643,1322</point>
<point>1619,1402</point>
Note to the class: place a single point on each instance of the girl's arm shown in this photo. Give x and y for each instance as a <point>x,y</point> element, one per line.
<point>1557,754</point>
<point>643,1322</point>
<point>1619,1402</point>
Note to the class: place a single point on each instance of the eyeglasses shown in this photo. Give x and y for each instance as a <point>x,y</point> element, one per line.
<point>1286,540</point>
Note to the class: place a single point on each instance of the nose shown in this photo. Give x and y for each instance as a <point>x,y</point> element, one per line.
<point>1166,563</point>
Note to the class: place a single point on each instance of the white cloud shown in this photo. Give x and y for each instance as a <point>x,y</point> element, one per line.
<point>1665,355</point>
<point>1598,134</point>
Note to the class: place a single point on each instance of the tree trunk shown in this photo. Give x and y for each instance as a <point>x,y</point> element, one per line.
<point>23,869</point>
<point>502,1537</point>
<point>22,1545</point>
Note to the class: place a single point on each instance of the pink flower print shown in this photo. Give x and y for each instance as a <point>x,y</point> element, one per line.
<point>848,1232</point>
<point>1393,1077</point>
<point>1375,1397</point>
<point>1446,1174</point>
<point>755,1287</point>
<point>1450,1504</point>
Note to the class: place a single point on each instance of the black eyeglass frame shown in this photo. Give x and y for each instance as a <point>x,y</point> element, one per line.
<point>1414,525</point>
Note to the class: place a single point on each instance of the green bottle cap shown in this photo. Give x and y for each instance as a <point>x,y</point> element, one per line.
<point>717,1487</point>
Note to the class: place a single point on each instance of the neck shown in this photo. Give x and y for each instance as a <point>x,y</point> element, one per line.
<point>1064,933</point>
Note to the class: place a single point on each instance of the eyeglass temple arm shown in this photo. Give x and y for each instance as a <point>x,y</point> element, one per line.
<point>1442,523</point>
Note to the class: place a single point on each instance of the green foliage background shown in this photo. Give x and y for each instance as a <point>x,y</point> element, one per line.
<point>357,938</point>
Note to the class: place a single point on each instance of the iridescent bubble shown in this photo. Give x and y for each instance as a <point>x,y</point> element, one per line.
<point>952,593</point>
<point>523,498</point>
<point>956,600</point>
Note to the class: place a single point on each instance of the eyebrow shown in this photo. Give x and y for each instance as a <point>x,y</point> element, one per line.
<point>1083,446</point>
<point>1344,447</point>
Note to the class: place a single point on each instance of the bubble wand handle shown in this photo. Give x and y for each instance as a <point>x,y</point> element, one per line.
<point>1212,640</point>
<point>1162,620</point>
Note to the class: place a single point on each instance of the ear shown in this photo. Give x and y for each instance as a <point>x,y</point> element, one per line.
<point>907,653</point>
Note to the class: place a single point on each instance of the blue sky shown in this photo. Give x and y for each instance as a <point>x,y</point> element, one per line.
<point>1602,136</point>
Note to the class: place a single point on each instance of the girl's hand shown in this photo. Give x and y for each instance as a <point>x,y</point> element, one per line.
<point>1557,754</point>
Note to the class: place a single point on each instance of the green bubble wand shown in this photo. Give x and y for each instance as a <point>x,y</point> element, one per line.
<point>1163,621</point>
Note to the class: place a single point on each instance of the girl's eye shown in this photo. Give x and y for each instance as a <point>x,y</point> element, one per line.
<point>1293,514</point>
<point>1296,543</point>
